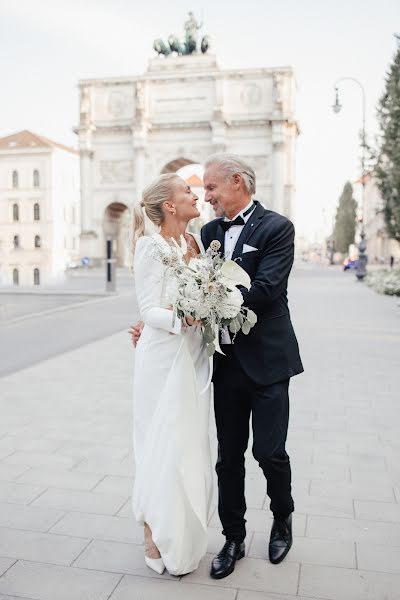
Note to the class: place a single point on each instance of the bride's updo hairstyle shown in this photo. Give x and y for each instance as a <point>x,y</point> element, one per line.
<point>153,198</point>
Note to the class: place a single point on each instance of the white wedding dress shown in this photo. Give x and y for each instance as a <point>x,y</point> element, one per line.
<point>173,480</point>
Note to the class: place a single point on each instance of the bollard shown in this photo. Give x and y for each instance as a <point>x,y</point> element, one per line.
<point>111,272</point>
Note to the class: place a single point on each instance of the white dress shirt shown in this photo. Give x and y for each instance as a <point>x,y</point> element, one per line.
<point>233,233</point>
<point>231,238</point>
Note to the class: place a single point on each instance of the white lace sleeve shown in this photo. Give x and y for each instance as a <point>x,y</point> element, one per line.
<point>149,277</point>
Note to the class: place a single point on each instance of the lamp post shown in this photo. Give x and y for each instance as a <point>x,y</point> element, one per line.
<point>361,270</point>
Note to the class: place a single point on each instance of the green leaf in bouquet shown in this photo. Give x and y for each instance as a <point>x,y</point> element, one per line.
<point>210,349</point>
<point>234,326</point>
<point>240,319</point>
<point>251,316</point>
<point>246,328</point>
<point>208,334</point>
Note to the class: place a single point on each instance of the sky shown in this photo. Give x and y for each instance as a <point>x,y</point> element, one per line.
<point>48,45</point>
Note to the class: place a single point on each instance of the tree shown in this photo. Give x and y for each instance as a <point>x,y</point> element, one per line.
<point>387,168</point>
<point>345,222</point>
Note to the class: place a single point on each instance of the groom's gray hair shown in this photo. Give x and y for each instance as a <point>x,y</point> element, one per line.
<point>230,164</point>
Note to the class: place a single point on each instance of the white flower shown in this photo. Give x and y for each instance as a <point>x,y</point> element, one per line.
<point>238,276</point>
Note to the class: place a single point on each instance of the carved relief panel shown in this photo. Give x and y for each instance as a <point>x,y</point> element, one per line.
<point>113,103</point>
<point>115,171</point>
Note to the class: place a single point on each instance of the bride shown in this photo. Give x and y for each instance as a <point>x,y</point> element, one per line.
<point>173,480</point>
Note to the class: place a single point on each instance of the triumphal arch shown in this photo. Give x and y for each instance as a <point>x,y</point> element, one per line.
<point>183,108</point>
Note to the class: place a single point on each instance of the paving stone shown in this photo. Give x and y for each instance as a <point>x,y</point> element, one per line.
<point>372,557</point>
<point>89,450</point>
<point>49,582</point>
<point>60,478</point>
<point>6,451</point>
<point>324,505</point>
<point>35,459</point>
<point>100,527</point>
<point>332,583</point>
<point>367,475</point>
<point>251,574</point>
<point>11,472</point>
<point>106,504</point>
<point>112,484</point>
<point>20,493</point>
<point>27,517</point>
<point>248,595</point>
<point>105,467</point>
<point>151,589</point>
<point>126,511</point>
<point>5,563</point>
<point>29,444</point>
<point>377,511</point>
<point>359,491</point>
<point>353,530</point>
<point>118,558</point>
<point>41,547</point>
<point>310,550</point>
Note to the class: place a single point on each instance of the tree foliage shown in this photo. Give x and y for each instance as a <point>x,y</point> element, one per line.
<point>387,168</point>
<point>345,222</point>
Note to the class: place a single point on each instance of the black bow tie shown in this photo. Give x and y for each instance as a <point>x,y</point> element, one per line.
<point>227,224</point>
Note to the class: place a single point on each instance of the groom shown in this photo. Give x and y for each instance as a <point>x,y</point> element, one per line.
<point>252,379</point>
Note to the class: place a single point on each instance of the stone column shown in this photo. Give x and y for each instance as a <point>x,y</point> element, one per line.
<point>86,161</point>
<point>139,161</point>
<point>139,138</point>
<point>278,167</point>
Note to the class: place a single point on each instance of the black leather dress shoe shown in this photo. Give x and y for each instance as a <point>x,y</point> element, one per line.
<point>224,563</point>
<point>281,539</point>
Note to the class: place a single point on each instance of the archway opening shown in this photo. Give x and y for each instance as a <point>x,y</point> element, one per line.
<point>174,165</point>
<point>116,226</point>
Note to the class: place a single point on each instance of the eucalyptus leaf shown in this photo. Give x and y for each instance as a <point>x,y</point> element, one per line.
<point>234,326</point>
<point>251,316</point>
<point>208,334</point>
<point>246,328</point>
<point>210,349</point>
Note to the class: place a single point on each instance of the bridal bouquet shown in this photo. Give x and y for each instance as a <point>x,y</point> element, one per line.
<point>207,292</point>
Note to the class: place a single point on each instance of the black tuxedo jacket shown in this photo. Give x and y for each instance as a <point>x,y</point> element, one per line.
<point>269,353</point>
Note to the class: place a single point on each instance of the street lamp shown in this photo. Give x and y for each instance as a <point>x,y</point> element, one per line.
<point>361,270</point>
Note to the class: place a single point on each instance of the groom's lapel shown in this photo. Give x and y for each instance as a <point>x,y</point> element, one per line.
<point>220,236</point>
<point>248,230</point>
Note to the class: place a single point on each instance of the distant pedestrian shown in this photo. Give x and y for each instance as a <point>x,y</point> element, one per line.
<point>391,261</point>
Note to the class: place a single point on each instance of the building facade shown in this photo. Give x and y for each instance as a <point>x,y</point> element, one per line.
<point>182,109</point>
<point>39,209</point>
<point>379,246</point>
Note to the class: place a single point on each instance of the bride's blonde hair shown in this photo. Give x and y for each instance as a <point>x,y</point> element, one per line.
<point>153,198</point>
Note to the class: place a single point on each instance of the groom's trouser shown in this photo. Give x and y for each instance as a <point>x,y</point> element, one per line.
<point>236,397</point>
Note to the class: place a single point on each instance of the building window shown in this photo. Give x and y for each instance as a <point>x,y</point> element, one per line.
<point>38,241</point>
<point>15,212</point>
<point>36,178</point>
<point>15,179</point>
<point>36,212</point>
<point>15,277</point>
<point>36,277</point>
<point>16,241</point>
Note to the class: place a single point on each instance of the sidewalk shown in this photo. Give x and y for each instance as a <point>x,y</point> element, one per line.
<point>66,468</point>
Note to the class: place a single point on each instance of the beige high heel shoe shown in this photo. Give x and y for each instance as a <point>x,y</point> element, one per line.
<point>152,556</point>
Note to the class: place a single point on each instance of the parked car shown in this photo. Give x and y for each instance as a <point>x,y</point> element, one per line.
<point>350,263</point>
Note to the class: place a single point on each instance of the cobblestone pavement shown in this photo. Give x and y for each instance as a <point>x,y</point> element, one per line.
<point>66,468</point>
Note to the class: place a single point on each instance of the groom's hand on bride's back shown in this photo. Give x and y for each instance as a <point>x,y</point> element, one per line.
<point>135,332</point>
